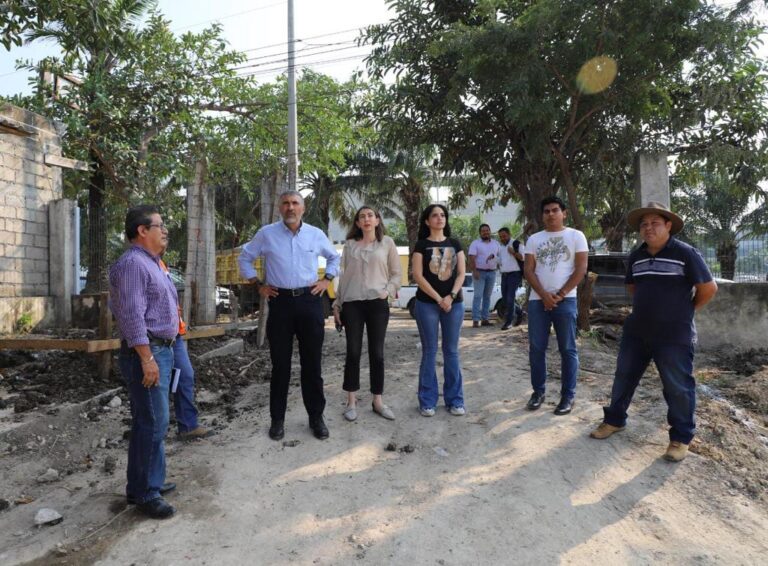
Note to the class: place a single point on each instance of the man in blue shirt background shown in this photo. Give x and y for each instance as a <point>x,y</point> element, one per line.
<point>290,248</point>
<point>668,281</point>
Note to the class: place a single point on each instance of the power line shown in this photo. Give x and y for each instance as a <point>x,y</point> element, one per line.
<point>303,50</point>
<point>301,39</point>
<point>312,63</point>
<point>285,59</point>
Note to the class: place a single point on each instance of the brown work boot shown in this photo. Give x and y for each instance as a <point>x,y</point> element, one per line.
<point>486,323</point>
<point>676,451</point>
<point>195,433</point>
<point>604,430</point>
<point>475,324</point>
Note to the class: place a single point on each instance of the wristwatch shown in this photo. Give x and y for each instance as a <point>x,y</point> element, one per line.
<point>329,277</point>
<point>454,295</point>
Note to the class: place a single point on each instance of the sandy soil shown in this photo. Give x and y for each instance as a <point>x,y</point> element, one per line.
<point>499,486</point>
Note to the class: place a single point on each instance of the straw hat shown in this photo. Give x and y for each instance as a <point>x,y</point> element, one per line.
<point>653,207</point>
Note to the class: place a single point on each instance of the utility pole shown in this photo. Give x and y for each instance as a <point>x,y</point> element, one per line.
<point>293,151</point>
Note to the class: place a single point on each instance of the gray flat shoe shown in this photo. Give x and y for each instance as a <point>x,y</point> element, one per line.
<point>350,414</point>
<point>385,412</point>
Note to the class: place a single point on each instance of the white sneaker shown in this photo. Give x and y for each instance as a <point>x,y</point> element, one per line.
<point>458,411</point>
<point>427,412</point>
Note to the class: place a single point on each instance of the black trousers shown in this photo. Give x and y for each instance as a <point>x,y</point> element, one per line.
<point>302,317</point>
<point>374,316</point>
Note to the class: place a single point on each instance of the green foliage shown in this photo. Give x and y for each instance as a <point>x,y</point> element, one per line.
<point>494,86</point>
<point>24,323</point>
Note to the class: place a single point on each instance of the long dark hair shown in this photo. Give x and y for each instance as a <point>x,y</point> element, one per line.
<point>356,233</point>
<point>424,229</point>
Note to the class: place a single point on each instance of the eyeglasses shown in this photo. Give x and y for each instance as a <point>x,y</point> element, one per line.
<point>162,226</point>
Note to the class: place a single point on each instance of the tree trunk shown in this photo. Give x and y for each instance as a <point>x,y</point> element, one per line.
<point>97,280</point>
<point>584,299</point>
<point>411,198</point>
<point>727,252</point>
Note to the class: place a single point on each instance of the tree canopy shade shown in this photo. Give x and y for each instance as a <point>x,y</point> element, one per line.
<point>512,88</point>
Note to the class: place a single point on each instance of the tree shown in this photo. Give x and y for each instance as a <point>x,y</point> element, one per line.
<point>141,105</point>
<point>517,90</point>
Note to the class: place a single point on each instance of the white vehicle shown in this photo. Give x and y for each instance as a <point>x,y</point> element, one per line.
<point>406,297</point>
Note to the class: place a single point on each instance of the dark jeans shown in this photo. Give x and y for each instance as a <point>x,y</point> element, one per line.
<point>675,364</point>
<point>302,317</point>
<point>149,423</point>
<point>510,282</point>
<point>563,318</point>
<point>184,398</point>
<point>374,316</point>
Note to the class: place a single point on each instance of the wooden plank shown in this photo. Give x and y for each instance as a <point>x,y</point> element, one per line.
<point>65,162</point>
<point>204,332</point>
<point>43,344</point>
<point>95,346</point>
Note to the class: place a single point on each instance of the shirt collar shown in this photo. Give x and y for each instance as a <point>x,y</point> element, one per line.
<point>671,243</point>
<point>155,258</point>
<point>285,227</point>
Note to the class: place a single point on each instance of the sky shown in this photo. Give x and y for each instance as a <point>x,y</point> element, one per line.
<point>324,29</point>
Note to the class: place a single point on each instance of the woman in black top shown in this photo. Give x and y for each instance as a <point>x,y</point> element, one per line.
<point>438,268</point>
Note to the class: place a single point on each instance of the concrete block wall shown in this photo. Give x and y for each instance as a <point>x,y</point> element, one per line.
<point>27,185</point>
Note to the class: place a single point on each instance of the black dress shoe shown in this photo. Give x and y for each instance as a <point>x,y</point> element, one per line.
<point>535,401</point>
<point>167,487</point>
<point>318,428</point>
<point>156,508</point>
<point>564,406</point>
<point>506,326</point>
<point>277,430</point>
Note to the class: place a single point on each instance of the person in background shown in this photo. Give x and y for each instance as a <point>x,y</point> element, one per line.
<point>511,266</point>
<point>555,263</point>
<point>438,269</point>
<point>483,260</point>
<point>370,276</point>
<point>184,396</point>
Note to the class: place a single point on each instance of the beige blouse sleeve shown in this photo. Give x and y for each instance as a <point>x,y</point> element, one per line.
<point>395,269</point>
<point>342,268</point>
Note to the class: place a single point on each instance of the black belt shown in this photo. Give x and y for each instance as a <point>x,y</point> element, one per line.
<point>298,291</point>
<point>165,342</point>
<point>485,269</point>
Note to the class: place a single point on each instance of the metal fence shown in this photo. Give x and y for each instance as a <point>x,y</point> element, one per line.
<point>749,258</point>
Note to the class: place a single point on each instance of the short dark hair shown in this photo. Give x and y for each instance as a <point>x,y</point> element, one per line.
<point>138,216</point>
<point>505,229</point>
<point>552,200</point>
<point>424,229</point>
<point>356,233</point>
<point>480,229</point>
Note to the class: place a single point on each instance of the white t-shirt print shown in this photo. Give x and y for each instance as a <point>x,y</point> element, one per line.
<point>555,254</point>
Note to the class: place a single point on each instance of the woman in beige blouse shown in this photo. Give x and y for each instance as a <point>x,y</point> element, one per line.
<point>370,275</point>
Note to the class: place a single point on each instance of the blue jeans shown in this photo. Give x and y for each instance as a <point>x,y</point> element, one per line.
<point>184,398</point>
<point>149,423</point>
<point>510,282</point>
<point>563,318</point>
<point>675,365</point>
<point>483,287</point>
<point>428,317</point>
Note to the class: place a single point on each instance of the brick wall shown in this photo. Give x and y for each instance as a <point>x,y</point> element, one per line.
<point>27,185</point>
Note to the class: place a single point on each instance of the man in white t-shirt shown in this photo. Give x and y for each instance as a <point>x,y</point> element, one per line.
<point>511,258</point>
<point>483,261</point>
<point>555,263</point>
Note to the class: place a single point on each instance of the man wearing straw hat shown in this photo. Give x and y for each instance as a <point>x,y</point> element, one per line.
<point>668,281</point>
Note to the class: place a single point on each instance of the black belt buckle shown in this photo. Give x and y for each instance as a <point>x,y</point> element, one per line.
<point>297,292</point>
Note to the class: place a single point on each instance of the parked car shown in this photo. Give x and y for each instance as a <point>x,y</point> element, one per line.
<point>611,268</point>
<point>406,298</point>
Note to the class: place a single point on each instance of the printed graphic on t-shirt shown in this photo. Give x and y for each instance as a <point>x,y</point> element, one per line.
<point>552,252</point>
<point>442,262</point>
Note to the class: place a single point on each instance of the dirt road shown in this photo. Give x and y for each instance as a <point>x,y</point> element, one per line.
<point>501,485</point>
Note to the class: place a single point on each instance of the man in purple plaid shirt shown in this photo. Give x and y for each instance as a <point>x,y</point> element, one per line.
<point>145,304</point>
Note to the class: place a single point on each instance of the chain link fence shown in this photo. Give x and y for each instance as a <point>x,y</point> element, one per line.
<point>745,261</point>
